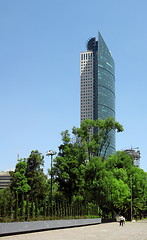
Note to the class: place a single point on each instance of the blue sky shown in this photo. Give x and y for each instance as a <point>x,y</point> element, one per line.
<point>40,44</point>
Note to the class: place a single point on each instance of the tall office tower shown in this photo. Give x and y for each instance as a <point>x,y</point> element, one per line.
<point>98,84</point>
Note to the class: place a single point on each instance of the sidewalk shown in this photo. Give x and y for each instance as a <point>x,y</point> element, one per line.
<point>106,231</point>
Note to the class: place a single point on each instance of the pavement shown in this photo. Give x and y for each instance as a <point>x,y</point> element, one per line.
<point>105,231</point>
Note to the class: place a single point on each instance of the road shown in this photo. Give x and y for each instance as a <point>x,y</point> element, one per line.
<point>106,231</point>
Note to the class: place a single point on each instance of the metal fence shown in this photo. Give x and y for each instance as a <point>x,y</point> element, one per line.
<point>28,211</point>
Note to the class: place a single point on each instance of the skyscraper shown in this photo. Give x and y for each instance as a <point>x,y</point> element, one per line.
<point>97,73</point>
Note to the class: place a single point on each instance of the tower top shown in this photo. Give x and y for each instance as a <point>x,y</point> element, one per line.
<point>92,44</point>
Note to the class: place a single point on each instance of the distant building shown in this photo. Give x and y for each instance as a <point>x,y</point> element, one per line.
<point>97,75</point>
<point>4,179</point>
<point>135,154</point>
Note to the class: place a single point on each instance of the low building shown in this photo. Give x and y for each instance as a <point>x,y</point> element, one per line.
<point>135,154</point>
<point>4,179</point>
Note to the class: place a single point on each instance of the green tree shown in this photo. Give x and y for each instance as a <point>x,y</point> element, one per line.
<point>93,171</point>
<point>87,141</point>
<point>6,204</point>
<point>19,182</point>
<point>122,167</point>
<point>120,160</point>
<point>68,167</point>
<point>139,190</point>
<point>37,180</point>
<point>95,135</point>
<point>103,188</point>
<point>20,187</point>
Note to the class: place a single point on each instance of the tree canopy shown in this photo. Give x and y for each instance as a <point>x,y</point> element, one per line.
<point>95,135</point>
<point>80,174</point>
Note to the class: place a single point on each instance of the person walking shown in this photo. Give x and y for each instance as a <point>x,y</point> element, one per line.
<point>121,220</point>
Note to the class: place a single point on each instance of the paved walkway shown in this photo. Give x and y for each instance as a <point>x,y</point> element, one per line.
<point>106,231</point>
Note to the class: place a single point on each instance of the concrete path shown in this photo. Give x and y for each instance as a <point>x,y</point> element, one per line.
<point>106,231</point>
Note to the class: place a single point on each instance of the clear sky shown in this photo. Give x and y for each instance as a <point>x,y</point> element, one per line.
<point>40,45</point>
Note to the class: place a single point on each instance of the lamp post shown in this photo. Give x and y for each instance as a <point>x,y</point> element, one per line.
<point>131,199</point>
<point>135,156</point>
<point>51,153</point>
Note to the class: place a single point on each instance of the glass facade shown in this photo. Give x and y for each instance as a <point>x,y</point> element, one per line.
<point>106,88</point>
<point>97,71</point>
<point>106,81</point>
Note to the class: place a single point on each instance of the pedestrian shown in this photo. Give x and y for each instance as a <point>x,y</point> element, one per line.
<point>121,220</point>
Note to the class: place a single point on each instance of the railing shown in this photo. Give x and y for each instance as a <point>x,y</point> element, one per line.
<point>45,211</point>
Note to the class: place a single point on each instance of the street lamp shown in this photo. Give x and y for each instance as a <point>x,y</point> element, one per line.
<point>131,199</point>
<point>51,153</point>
